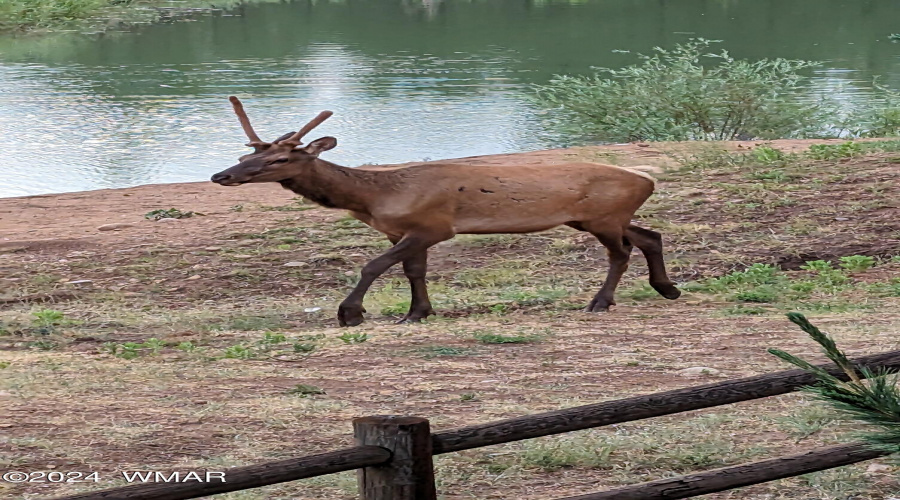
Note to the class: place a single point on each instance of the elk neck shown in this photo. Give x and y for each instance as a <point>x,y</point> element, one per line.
<point>333,186</point>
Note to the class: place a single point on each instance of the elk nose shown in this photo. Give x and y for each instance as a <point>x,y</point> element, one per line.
<point>220,177</point>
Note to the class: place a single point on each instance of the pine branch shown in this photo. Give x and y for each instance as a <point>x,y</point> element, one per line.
<point>871,396</point>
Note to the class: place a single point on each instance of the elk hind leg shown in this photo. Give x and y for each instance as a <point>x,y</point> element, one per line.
<point>650,243</point>
<point>415,268</point>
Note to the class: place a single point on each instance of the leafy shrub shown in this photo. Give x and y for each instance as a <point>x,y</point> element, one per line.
<point>879,116</point>
<point>672,95</point>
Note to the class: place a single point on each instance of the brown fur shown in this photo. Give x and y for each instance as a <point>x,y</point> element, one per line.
<point>419,206</point>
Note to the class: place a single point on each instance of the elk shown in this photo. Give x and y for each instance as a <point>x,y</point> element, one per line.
<point>419,206</point>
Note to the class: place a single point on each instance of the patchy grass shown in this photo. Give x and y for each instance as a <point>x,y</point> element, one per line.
<point>212,352</point>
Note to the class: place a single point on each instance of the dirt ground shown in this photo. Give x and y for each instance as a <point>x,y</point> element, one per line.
<point>210,341</point>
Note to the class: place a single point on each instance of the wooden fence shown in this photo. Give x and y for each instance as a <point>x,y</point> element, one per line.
<point>393,454</point>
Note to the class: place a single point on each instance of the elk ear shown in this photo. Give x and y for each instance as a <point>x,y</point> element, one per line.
<point>319,145</point>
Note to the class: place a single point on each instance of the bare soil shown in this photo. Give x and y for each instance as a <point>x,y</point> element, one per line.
<point>238,333</point>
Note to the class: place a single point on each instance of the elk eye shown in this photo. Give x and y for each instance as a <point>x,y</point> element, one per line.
<point>280,160</point>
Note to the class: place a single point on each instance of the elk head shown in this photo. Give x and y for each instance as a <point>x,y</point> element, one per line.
<point>274,161</point>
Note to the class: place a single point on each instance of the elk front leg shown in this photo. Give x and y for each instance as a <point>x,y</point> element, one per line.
<point>350,312</point>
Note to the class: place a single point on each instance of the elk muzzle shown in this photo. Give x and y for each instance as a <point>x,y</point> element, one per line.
<point>225,179</point>
<point>239,174</point>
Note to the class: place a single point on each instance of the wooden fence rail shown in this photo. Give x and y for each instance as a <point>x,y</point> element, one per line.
<point>393,458</point>
<point>736,476</point>
<point>641,407</point>
<point>251,476</point>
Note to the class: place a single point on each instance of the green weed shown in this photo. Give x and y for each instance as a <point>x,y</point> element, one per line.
<point>857,263</point>
<point>493,338</point>
<point>239,352</point>
<point>44,345</point>
<point>834,151</point>
<point>132,350</point>
<point>186,346</point>
<point>353,338</point>
<point>304,348</point>
<point>305,391</point>
<point>436,351</point>
<point>764,293</point>
<point>742,310</point>
<point>171,213</point>
<point>47,317</point>
<point>270,338</point>
<point>767,155</point>
<point>396,309</point>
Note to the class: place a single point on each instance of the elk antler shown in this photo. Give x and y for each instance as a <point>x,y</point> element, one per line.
<point>245,122</point>
<point>315,122</point>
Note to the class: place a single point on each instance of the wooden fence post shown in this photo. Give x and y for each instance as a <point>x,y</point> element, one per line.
<point>410,473</point>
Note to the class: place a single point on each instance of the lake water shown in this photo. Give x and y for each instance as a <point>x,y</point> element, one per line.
<point>407,79</point>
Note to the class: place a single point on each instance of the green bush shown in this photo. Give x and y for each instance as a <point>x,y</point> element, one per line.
<point>672,95</point>
<point>879,116</point>
<point>23,14</point>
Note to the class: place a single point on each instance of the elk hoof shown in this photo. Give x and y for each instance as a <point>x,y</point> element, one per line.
<point>350,315</point>
<point>599,305</point>
<point>667,290</point>
<point>416,316</point>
